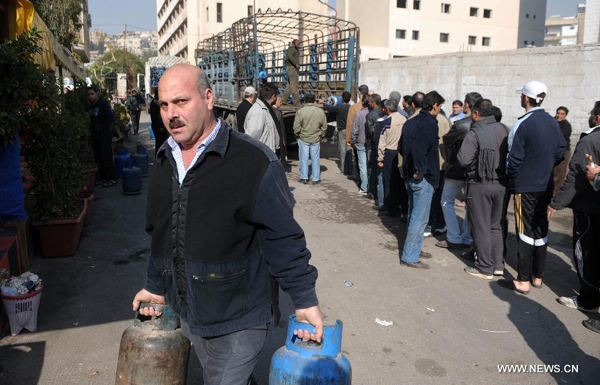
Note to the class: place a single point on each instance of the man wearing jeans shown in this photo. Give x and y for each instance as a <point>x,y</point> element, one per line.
<point>310,125</point>
<point>421,164</point>
<point>455,178</point>
<point>357,140</point>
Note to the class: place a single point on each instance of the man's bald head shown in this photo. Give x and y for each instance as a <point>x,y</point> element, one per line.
<point>193,72</point>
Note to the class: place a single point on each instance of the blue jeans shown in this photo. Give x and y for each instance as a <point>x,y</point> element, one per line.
<point>314,149</point>
<point>452,189</point>
<point>420,193</point>
<point>380,190</point>
<point>362,167</point>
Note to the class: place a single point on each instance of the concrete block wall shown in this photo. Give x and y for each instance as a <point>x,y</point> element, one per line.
<point>572,75</point>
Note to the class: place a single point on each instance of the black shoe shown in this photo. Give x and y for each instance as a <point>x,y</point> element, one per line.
<point>470,255</point>
<point>418,265</point>
<point>592,324</point>
<point>109,183</point>
<point>304,181</point>
<point>369,196</point>
<point>449,245</point>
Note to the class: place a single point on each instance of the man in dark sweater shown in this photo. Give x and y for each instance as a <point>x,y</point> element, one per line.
<point>581,196</point>
<point>419,148</point>
<point>220,213</point>
<point>560,171</point>
<point>535,146</point>
<point>483,154</point>
<point>455,178</point>
<point>341,119</point>
<point>244,107</point>
<point>101,118</point>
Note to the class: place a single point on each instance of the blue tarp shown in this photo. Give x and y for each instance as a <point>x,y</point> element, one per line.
<point>12,207</point>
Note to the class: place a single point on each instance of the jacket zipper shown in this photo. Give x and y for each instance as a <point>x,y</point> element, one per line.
<point>202,278</point>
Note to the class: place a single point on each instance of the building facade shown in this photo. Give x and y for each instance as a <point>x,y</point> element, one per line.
<point>563,31</point>
<point>401,28</point>
<point>182,24</point>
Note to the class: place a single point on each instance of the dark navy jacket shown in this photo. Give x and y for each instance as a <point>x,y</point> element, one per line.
<point>419,147</point>
<point>536,145</point>
<point>222,239</point>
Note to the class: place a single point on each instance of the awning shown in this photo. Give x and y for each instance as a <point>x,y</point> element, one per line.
<point>54,54</point>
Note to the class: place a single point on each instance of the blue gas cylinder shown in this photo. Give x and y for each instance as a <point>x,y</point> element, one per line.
<point>121,157</point>
<point>334,100</point>
<point>132,179</point>
<point>309,363</point>
<point>141,159</point>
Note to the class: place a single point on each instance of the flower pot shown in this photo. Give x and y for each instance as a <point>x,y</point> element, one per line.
<point>88,197</point>
<point>60,238</point>
<point>91,180</point>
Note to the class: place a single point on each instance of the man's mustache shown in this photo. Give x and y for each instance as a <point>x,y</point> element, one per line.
<point>176,123</point>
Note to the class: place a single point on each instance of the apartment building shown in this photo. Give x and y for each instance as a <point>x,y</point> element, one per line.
<point>182,24</point>
<point>400,28</point>
<point>563,31</point>
<point>591,33</point>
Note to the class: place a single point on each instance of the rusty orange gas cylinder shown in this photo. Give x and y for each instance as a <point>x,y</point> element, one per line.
<point>153,351</point>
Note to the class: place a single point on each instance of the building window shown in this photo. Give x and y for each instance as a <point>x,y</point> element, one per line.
<point>219,12</point>
<point>534,16</point>
<point>400,3</point>
<point>445,8</point>
<point>474,11</point>
<point>472,40</point>
<point>444,37</point>
<point>250,10</point>
<point>485,41</point>
<point>415,35</point>
<point>526,42</point>
<point>417,4</point>
<point>532,42</point>
<point>487,13</point>
<point>527,16</point>
<point>400,34</point>
<point>207,15</point>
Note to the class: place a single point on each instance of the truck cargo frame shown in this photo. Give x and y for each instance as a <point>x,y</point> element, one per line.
<point>329,56</point>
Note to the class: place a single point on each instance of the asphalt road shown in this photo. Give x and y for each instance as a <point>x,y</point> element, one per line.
<point>448,327</point>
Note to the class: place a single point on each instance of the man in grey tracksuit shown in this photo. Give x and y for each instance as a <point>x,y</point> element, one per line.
<point>483,153</point>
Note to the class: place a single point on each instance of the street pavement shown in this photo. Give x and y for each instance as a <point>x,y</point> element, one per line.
<point>447,327</point>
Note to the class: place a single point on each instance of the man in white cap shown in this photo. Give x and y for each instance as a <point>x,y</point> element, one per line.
<point>535,146</point>
<point>244,107</point>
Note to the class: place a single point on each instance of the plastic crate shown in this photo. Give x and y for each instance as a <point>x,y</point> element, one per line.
<point>22,311</point>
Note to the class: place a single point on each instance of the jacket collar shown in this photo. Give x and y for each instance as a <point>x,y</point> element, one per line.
<point>534,109</point>
<point>427,114</point>
<point>219,145</point>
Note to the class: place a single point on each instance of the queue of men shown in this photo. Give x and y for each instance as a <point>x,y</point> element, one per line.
<point>417,164</point>
<point>485,164</point>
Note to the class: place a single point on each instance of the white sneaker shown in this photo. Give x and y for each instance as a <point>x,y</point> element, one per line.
<point>571,302</point>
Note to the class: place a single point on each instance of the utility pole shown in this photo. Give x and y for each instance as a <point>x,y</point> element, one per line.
<point>124,47</point>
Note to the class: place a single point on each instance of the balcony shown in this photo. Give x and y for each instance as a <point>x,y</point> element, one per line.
<point>169,11</point>
<point>175,24</point>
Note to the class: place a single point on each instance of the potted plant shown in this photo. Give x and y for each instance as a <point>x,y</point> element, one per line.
<point>53,131</point>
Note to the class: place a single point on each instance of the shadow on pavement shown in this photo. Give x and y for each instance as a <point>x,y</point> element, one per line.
<point>547,337</point>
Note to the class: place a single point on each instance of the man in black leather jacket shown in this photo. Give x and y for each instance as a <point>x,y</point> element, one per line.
<point>455,178</point>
